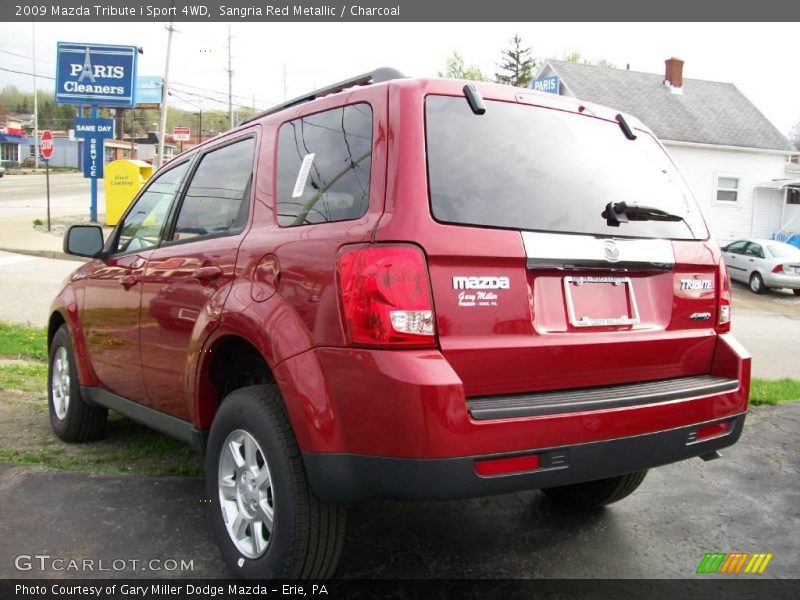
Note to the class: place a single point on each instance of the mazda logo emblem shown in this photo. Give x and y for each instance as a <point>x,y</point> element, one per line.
<point>611,251</point>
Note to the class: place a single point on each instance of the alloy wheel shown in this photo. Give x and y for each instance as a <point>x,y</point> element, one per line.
<point>246,496</point>
<point>60,383</point>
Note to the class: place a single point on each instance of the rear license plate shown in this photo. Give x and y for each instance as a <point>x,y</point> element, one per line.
<point>600,301</point>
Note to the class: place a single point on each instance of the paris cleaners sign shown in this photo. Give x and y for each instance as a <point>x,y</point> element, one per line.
<point>96,74</point>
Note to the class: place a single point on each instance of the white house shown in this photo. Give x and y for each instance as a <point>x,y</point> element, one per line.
<point>732,157</point>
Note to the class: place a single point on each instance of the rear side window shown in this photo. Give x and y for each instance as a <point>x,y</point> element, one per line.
<point>324,163</point>
<point>217,198</point>
<point>736,247</point>
<point>524,167</point>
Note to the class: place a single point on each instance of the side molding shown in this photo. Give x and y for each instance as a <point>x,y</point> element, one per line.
<point>154,419</point>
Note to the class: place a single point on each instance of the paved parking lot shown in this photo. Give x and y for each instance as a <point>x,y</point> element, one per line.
<point>769,327</point>
<point>749,501</point>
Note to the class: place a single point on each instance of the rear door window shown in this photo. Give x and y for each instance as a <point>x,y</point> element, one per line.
<point>524,167</point>
<point>736,248</point>
<point>217,199</point>
<point>754,250</point>
<point>324,163</point>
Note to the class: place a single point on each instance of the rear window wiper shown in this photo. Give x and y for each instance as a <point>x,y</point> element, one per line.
<point>621,212</point>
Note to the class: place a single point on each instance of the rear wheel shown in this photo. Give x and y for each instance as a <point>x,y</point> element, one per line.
<point>266,519</point>
<point>757,283</point>
<point>72,419</point>
<point>594,494</point>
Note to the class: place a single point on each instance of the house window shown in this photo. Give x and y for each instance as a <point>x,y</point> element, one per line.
<point>793,197</point>
<point>727,189</point>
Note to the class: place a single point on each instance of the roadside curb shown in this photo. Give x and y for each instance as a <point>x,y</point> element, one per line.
<point>45,254</point>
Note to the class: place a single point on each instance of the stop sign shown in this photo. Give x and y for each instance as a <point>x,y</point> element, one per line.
<point>46,144</point>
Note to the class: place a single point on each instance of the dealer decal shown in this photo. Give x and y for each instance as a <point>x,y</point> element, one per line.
<point>480,290</point>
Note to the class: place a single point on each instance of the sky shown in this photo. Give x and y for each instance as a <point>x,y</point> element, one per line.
<point>759,58</point>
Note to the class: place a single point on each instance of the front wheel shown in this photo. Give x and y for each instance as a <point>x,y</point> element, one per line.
<point>267,521</point>
<point>594,494</point>
<point>72,419</point>
<point>757,283</point>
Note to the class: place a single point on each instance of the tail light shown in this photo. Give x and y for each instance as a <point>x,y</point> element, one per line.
<point>724,312</point>
<point>386,296</point>
<point>779,269</point>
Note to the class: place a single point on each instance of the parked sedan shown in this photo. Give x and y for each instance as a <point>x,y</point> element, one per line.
<point>764,264</point>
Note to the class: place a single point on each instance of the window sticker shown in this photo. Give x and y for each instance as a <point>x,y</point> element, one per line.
<point>302,175</point>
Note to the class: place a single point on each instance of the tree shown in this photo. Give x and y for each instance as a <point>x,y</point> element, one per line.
<point>794,135</point>
<point>455,69</point>
<point>577,57</point>
<point>516,65</point>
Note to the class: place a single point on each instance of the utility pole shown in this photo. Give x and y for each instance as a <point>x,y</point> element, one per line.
<point>162,126</point>
<point>230,82</point>
<point>35,105</point>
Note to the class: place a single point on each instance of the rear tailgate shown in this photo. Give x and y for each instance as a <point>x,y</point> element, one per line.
<point>535,290</point>
<point>523,324</point>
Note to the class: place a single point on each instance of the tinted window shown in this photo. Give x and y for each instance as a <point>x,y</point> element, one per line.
<point>736,247</point>
<point>524,167</point>
<point>143,224</point>
<point>324,163</point>
<point>754,250</point>
<point>217,198</point>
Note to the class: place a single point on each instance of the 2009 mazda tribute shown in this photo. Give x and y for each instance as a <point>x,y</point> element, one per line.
<point>408,289</point>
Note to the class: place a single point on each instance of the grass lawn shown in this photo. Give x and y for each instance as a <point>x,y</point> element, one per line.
<point>129,447</point>
<point>26,438</point>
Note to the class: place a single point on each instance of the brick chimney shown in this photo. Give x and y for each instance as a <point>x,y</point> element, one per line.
<point>673,76</point>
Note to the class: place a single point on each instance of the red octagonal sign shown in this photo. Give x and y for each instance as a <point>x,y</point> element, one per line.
<point>46,144</point>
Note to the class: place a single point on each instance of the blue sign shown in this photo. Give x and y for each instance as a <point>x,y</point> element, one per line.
<point>550,84</point>
<point>96,74</point>
<point>148,89</point>
<point>93,132</point>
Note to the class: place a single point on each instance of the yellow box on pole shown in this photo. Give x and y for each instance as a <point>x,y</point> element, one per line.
<point>123,180</point>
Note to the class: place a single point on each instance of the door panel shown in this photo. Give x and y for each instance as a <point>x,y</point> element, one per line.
<point>110,318</point>
<point>112,292</point>
<point>188,278</point>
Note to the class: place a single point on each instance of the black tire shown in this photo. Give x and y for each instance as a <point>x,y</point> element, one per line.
<point>307,534</point>
<point>594,494</point>
<point>75,420</point>
<point>796,292</point>
<point>757,283</point>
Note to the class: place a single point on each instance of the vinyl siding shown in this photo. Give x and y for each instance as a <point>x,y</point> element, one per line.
<point>701,167</point>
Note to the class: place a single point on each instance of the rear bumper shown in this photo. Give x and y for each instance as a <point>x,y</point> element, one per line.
<point>346,478</point>
<point>782,280</point>
<point>382,424</point>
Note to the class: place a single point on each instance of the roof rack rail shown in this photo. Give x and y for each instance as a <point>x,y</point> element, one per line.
<point>377,76</point>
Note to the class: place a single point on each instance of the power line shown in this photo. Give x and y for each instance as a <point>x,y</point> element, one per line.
<point>202,89</point>
<point>39,60</point>
<point>26,73</point>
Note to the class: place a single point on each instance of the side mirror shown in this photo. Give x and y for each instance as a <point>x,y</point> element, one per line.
<point>84,240</point>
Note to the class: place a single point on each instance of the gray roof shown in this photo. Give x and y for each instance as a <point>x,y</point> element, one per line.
<point>707,112</point>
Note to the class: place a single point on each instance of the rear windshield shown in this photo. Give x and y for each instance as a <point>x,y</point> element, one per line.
<point>784,251</point>
<point>525,167</point>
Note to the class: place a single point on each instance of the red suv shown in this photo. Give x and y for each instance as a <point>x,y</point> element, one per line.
<point>405,289</point>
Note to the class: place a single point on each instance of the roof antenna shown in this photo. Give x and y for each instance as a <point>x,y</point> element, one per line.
<point>474,99</point>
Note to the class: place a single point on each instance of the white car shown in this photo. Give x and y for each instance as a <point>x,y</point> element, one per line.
<point>764,264</point>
